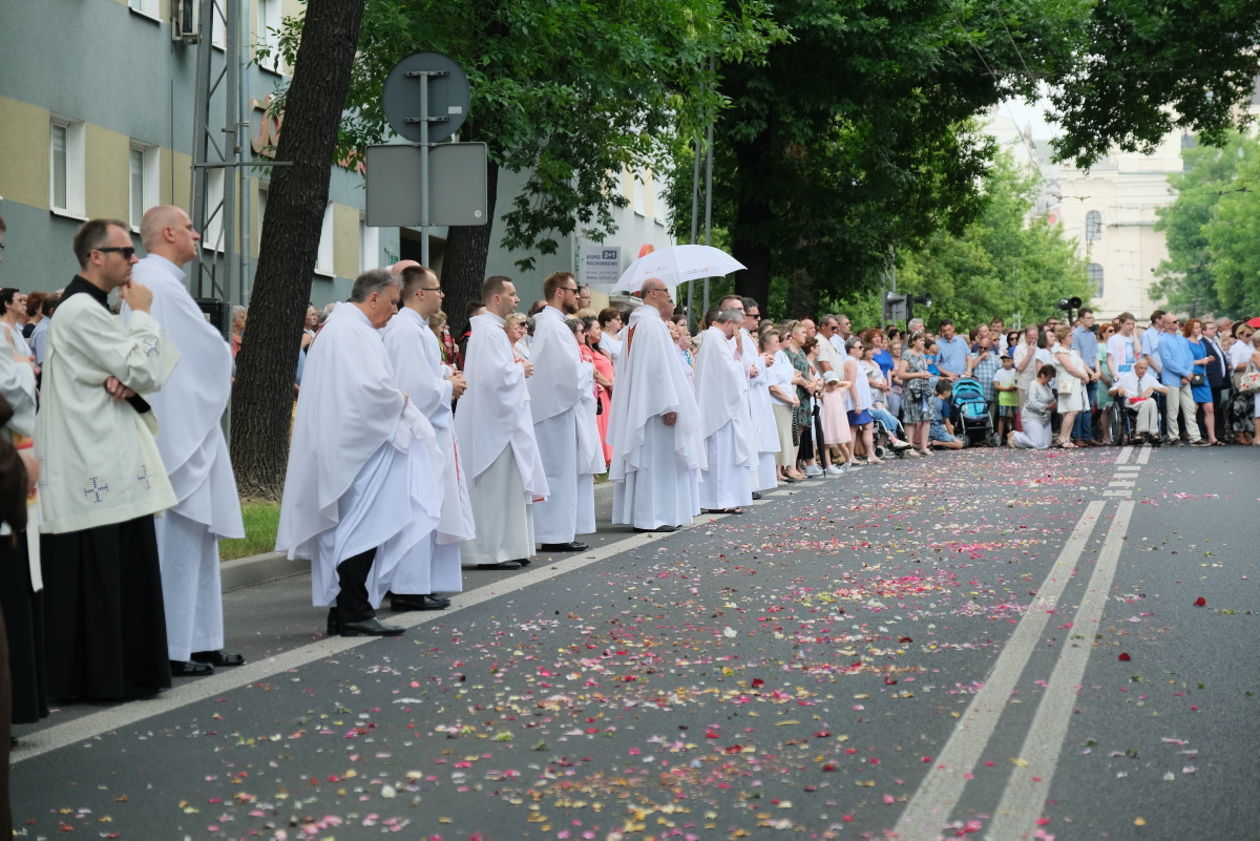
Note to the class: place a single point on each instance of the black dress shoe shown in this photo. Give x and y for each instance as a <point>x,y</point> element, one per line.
<point>218,658</point>
<point>501,565</point>
<point>657,530</point>
<point>371,627</point>
<point>424,601</point>
<point>190,669</point>
<point>571,546</point>
<point>756,494</point>
<point>522,561</point>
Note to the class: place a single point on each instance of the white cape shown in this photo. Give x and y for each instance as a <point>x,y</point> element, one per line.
<point>359,466</point>
<point>494,412</point>
<point>722,395</point>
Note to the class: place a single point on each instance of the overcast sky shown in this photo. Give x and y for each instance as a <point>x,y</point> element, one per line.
<point>1026,113</point>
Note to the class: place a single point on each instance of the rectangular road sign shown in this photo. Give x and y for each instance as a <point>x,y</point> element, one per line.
<point>457,185</point>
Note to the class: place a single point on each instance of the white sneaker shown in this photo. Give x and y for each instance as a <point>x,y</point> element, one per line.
<point>813,470</point>
<point>832,470</point>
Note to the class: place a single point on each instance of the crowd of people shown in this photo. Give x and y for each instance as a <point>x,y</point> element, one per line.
<point>416,454</point>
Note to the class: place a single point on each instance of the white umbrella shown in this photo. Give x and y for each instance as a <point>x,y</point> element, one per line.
<point>677,264</point>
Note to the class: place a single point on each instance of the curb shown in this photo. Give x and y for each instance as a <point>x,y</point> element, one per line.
<point>253,570</point>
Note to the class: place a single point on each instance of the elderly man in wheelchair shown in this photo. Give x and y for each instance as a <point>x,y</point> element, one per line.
<point>1135,390</point>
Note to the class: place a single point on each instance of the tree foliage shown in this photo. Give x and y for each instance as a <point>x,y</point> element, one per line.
<point>853,137</point>
<point>1211,230</point>
<point>570,92</point>
<point>1001,265</point>
<point>262,395</point>
<point>1146,68</point>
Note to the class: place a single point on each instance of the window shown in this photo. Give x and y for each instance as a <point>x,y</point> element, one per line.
<point>65,158</point>
<point>369,246</point>
<point>218,25</point>
<point>324,260</point>
<point>1093,226</point>
<point>269,24</point>
<point>640,195</point>
<point>212,237</point>
<point>1096,278</point>
<point>148,8</point>
<point>142,165</point>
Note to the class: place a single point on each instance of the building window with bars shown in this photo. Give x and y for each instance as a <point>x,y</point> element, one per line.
<point>1093,226</point>
<point>1096,279</point>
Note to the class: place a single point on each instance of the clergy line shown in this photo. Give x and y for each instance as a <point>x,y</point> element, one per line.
<point>93,726</point>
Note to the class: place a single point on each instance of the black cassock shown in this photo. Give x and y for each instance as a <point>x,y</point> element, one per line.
<point>24,623</point>
<point>105,625</point>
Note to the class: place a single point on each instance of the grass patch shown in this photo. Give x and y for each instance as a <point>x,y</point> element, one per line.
<point>261,520</point>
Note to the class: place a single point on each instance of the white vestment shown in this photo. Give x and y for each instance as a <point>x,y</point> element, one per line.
<point>188,410</point>
<point>726,423</point>
<point>360,464</point>
<point>655,468</point>
<point>99,460</point>
<point>495,432</point>
<point>434,565</point>
<point>765,429</point>
<point>555,397</point>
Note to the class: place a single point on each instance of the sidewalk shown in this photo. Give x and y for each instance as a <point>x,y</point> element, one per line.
<point>254,570</point>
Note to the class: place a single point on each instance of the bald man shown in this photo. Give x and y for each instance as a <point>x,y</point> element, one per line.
<point>190,439</point>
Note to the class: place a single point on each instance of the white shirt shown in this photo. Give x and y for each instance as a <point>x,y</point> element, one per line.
<point>1120,352</point>
<point>1128,384</point>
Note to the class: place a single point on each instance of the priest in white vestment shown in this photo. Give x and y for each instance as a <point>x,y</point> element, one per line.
<point>433,566</point>
<point>555,398</point>
<point>496,438</point>
<point>725,418</point>
<point>190,438</point>
<point>358,492</point>
<point>762,430</point>
<point>102,480</point>
<point>654,428</point>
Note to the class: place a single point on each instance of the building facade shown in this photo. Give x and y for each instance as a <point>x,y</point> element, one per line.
<point>98,105</point>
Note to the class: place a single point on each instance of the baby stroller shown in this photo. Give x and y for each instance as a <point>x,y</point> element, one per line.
<point>971,409</point>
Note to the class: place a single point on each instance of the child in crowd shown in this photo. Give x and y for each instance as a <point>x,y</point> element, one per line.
<point>930,356</point>
<point>835,420</point>
<point>941,431</point>
<point>1007,395</point>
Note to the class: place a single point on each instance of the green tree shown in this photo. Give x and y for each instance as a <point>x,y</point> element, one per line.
<point>1210,230</point>
<point>262,395</point>
<point>1001,265</point>
<point>569,92</point>
<point>1232,235</point>
<point>1144,68</point>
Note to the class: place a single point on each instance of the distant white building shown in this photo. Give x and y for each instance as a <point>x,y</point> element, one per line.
<point>1108,211</point>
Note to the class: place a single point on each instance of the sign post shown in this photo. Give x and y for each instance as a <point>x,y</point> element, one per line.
<point>426,99</point>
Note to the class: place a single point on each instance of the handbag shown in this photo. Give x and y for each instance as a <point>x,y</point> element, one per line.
<point>1066,383</point>
<point>1196,379</point>
<point>1249,381</point>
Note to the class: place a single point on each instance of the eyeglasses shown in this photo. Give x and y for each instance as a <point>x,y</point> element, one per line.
<point>126,251</point>
<point>568,288</point>
<point>430,289</point>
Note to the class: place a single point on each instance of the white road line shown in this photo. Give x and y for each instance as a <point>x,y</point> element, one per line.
<point>1144,455</point>
<point>1124,454</point>
<point>91,726</point>
<point>937,796</point>
<point>1025,796</point>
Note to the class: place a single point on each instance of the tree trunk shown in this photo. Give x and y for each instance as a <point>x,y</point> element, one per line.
<point>262,397</point>
<point>748,245</point>
<point>464,261</point>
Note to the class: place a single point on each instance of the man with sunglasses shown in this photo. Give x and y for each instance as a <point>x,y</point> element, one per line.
<point>190,438</point>
<point>102,479</point>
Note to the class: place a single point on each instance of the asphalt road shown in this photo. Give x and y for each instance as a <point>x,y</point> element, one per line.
<point>986,644</point>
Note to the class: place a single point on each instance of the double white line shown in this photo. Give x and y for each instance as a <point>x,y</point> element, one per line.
<point>1023,799</point>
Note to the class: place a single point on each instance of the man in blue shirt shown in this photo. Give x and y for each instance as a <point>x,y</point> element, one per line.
<point>1085,341</point>
<point>1177,365</point>
<point>952,351</point>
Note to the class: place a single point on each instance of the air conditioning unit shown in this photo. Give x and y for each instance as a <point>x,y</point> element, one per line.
<point>184,26</point>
